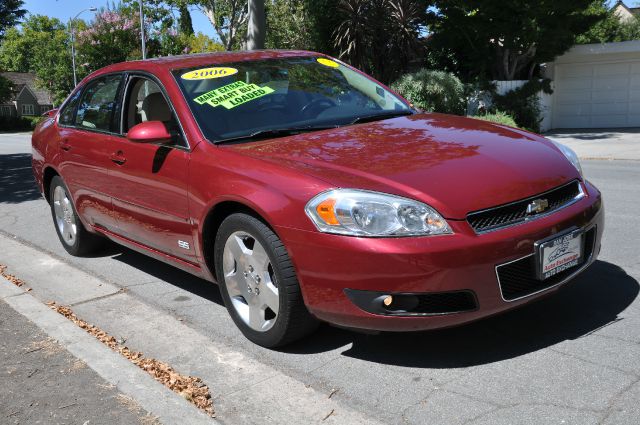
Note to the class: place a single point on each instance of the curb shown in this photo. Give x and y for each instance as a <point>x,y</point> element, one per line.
<point>152,396</point>
<point>605,158</point>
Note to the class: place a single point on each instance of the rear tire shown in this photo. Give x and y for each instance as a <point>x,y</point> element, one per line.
<point>71,232</point>
<point>258,283</point>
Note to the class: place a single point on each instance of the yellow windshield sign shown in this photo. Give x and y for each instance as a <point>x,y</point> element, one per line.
<point>209,73</point>
<point>328,62</point>
<point>232,95</point>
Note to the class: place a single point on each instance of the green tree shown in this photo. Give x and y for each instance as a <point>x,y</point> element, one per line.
<point>380,36</point>
<point>185,23</point>
<point>288,25</point>
<point>201,43</point>
<point>610,29</point>
<point>156,12</point>
<point>505,40</point>
<point>11,12</point>
<point>5,89</point>
<point>40,46</point>
<point>229,19</point>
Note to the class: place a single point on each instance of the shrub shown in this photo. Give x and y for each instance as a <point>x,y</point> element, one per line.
<point>8,124</point>
<point>34,121</point>
<point>523,104</point>
<point>498,117</point>
<point>433,91</point>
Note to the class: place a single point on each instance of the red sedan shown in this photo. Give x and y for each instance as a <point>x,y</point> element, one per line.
<point>311,192</point>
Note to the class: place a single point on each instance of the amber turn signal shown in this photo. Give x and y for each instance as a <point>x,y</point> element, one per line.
<point>326,212</point>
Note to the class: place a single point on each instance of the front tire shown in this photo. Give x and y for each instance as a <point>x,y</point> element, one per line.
<point>75,239</point>
<point>258,283</point>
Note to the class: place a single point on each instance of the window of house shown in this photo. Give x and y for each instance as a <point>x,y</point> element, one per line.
<point>5,111</point>
<point>98,104</point>
<point>27,109</point>
<point>44,108</point>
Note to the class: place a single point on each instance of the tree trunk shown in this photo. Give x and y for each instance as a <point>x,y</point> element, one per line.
<point>257,25</point>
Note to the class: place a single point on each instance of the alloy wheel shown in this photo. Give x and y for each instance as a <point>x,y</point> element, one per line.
<point>250,281</point>
<point>65,217</point>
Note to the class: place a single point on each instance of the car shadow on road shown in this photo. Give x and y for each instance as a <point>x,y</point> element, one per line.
<point>591,134</point>
<point>165,272</point>
<point>16,179</point>
<point>591,302</point>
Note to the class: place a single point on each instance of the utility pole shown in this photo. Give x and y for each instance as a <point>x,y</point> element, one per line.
<point>144,47</point>
<point>257,27</point>
<point>73,42</point>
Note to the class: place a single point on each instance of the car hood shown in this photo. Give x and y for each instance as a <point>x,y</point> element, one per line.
<point>455,164</point>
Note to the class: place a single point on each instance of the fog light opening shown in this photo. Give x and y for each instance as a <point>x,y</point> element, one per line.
<point>388,300</point>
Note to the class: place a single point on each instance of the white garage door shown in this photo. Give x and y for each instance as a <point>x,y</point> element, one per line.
<point>597,95</point>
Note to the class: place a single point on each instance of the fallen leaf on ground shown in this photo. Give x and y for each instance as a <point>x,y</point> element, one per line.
<point>190,387</point>
<point>11,278</point>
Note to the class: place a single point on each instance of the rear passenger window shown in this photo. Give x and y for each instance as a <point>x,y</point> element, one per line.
<point>69,110</point>
<point>99,100</point>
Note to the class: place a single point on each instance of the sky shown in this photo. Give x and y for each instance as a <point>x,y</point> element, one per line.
<point>65,9</point>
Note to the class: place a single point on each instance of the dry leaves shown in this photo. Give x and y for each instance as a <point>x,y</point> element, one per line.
<point>190,387</point>
<point>11,278</point>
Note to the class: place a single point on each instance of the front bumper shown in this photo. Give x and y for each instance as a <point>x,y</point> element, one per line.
<point>327,265</point>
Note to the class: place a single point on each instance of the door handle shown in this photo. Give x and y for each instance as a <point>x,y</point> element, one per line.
<point>65,146</point>
<point>118,158</point>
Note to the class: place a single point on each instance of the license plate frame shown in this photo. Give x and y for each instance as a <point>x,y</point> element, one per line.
<point>559,252</point>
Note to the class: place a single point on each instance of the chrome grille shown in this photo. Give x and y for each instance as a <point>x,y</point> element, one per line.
<point>516,212</point>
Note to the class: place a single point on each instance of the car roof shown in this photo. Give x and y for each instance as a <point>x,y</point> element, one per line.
<point>193,60</point>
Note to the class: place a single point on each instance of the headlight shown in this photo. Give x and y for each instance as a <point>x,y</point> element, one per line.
<point>363,213</point>
<point>570,155</point>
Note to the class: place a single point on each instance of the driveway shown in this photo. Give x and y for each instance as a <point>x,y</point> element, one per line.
<point>619,144</point>
<point>572,358</point>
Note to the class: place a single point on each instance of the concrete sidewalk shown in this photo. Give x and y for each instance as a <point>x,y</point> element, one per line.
<point>43,383</point>
<point>609,144</point>
<point>244,389</point>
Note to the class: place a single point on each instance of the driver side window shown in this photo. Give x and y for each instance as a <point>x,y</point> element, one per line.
<point>99,100</point>
<point>146,102</point>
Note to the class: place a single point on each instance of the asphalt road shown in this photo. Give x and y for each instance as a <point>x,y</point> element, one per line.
<point>570,358</point>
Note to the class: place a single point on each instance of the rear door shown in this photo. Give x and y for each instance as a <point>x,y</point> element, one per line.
<point>87,127</point>
<point>151,192</point>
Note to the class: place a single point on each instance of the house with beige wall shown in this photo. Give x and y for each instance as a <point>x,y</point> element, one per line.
<point>624,12</point>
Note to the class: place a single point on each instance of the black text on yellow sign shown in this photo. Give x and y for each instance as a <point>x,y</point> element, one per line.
<point>232,95</point>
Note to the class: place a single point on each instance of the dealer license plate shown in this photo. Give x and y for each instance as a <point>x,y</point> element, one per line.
<point>559,253</point>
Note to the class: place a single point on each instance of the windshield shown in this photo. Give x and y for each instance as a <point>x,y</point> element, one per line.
<point>247,99</point>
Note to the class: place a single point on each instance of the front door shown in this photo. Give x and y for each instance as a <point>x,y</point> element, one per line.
<point>150,200</point>
<point>87,129</point>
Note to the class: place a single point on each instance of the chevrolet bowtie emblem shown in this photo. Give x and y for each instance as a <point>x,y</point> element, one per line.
<point>537,206</point>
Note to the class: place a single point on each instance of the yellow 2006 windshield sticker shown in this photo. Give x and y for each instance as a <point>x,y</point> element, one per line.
<point>328,62</point>
<point>232,95</point>
<point>209,73</point>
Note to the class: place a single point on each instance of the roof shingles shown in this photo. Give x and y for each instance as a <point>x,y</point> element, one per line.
<point>22,79</point>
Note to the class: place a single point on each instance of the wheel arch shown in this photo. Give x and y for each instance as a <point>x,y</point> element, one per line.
<point>211,224</point>
<point>47,176</point>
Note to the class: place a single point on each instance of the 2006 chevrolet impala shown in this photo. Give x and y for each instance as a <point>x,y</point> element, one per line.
<point>311,192</point>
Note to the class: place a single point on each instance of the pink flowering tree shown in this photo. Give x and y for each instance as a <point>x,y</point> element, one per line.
<point>113,36</point>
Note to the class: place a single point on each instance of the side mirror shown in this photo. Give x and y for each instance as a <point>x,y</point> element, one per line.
<point>50,113</point>
<point>149,132</point>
